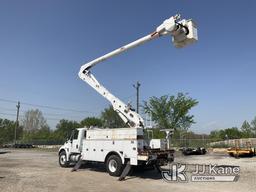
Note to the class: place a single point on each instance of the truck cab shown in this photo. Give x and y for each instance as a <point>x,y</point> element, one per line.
<point>72,148</point>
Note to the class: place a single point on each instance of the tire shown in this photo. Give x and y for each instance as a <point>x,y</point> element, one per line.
<point>231,154</point>
<point>114,165</point>
<point>251,154</point>
<point>63,159</point>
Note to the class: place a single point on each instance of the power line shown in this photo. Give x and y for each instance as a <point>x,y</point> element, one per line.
<point>47,118</point>
<point>7,100</point>
<point>47,106</point>
<point>130,96</point>
<point>7,114</point>
<point>44,114</point>
<point>52,114</point>
<point>55,114</point>
<point>56,108</point>
<point>7,109</point>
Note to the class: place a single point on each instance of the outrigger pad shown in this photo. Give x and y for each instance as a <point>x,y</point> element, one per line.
<point>78,165</point>
<point>125,171</point>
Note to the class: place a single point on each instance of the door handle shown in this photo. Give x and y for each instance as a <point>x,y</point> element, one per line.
<point>77,146</point>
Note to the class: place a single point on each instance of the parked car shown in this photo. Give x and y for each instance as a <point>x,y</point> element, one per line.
<point>194,151</point>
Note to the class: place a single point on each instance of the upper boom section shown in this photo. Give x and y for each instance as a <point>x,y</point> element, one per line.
<point>183,32</point>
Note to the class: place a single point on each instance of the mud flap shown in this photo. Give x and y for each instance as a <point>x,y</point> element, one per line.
<point>158,168</point>
<point>125,171</point>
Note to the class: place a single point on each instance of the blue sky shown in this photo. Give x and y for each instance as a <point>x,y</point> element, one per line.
<point>44,43</point>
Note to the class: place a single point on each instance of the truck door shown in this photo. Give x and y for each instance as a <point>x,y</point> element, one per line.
<point>74,142</point>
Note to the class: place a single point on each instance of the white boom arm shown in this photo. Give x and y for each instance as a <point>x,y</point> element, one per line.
<point>183,32</point>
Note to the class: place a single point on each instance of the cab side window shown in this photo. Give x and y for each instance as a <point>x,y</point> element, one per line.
<point>75,134</point>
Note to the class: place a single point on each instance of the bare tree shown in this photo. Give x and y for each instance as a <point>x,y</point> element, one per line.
<point>34,120</point>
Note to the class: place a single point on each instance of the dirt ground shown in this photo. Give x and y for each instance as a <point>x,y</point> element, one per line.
<point>27,170</point>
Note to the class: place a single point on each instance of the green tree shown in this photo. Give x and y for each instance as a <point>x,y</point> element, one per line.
<point>171,111</point>
<point>64,129</point>
<point>253,126</point>
<point>215,135</point>
<point>154,133</point>
<point>91,121</point>
<point>229,133</point>
<point>233,133</point>
<point>111,119</point>
<point>6,130</point>
<point>246,129</point>
<point>36,136</point>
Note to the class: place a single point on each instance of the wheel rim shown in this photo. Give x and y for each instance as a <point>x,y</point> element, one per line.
<point>112,166</point>
<point>63,159</point>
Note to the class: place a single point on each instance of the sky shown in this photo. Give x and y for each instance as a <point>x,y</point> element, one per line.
<point>44,43</point>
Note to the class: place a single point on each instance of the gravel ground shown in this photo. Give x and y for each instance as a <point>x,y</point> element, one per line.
<point>37,170</point>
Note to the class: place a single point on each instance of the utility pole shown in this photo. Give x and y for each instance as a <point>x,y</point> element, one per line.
<point>17,122</point>
<point>137,87</point>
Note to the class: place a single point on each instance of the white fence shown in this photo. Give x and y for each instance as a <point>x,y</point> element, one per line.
<point>232,142</point>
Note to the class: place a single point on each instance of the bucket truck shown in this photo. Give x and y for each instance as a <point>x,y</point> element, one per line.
<point>122,148</point>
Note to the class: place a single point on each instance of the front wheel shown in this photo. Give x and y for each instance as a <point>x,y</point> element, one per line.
<point>114,165</point>
<point>63,159</point>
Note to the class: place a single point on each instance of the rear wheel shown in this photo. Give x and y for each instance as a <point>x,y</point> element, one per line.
<point>231,154</point>
<point>63,159</point>
<point>114,165</point>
